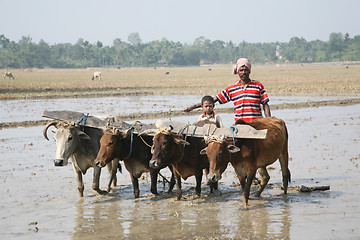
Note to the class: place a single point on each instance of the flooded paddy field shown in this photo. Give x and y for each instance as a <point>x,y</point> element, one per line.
<point>40,201</point>
<point>31,109</point>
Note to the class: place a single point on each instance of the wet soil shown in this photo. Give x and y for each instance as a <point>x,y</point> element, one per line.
<point>40,201</point>
<point>139,115</point>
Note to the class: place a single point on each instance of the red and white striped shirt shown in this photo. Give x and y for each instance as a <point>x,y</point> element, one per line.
<point>246,100</point>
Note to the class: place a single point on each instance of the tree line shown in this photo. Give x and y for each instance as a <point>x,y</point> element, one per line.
<point>134,53</point>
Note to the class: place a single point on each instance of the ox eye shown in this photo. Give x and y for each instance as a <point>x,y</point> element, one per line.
<point>110,143</point>
<point>70,138</point>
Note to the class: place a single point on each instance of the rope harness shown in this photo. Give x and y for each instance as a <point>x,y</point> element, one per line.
<point>144,141</point>
<point>187,131</point>
<point>131,129</point>
<point>82,120</point>
<point>212,133</point>
<point>167,131</point>
<point>234,130</point>
<point>131,142</point>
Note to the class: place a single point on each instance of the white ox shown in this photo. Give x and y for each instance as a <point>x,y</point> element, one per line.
<point>96,75</point>
<point>9,75</point>
<point>82,148</point>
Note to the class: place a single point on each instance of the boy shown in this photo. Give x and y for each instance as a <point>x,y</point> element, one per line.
<point>208,104</point>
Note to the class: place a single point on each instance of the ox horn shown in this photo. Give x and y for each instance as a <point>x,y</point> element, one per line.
<point>53,123</point>
<point>111,129</point>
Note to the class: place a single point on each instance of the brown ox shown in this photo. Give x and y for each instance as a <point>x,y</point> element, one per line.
<point>170,149</point>
<point>251,154</point>
<point>135,153</point>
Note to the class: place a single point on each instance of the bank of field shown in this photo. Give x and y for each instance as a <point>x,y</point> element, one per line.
<point>309,79</point>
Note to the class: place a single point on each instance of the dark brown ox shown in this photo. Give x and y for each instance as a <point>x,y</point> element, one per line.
<point>251,154</point>
<point>134,150</point>
<point>170,149</point>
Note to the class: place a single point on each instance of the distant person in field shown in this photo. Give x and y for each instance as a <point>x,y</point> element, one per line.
<point>208,104</point>
<point>247,95</point>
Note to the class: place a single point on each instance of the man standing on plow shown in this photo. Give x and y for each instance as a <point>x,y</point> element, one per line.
<point>246,94</point>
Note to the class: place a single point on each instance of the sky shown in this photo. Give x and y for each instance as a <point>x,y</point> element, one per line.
<point>254,21</point>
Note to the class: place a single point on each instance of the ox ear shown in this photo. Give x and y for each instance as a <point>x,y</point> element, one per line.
<point>203,151</point>
<point>180,141</point>
<point>82,135</point>
<point>233,149</point>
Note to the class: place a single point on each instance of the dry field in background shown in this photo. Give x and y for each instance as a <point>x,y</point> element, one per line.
<point>292,79</point>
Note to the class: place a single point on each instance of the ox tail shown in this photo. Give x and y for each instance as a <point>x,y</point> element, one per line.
<point>286,149</point>
<point>120,168</point>
<point>289,174</point>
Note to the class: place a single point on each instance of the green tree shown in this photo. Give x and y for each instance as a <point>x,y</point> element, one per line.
<point>134,39</point>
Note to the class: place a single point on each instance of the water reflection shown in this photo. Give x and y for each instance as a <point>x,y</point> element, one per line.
<point>164,217</point>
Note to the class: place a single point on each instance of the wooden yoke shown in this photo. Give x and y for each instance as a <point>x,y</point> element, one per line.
<point>243,131</point>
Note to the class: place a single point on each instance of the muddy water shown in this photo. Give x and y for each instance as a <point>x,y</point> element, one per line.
<point>31,109</point>
<point>40,201</point>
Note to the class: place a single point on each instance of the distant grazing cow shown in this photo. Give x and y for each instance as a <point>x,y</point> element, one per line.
<point>133,150</point>
<point>251,154</point>
<point>169,149</point>
<point>81,147</point>
<point>96,75</point>
<point>9,75</point>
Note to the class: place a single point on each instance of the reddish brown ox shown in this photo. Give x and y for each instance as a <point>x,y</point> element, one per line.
<point>251,154</point>
<point>133,151</point>
<point>170,149</point>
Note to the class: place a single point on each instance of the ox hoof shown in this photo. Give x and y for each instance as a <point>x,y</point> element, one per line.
<point>178,196</point>
<point>101,192</point>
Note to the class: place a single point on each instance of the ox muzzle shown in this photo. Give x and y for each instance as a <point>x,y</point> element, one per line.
<point>154,164</point>
<point>213,177</point>
<point>99,163</point>
<point>59,162</point>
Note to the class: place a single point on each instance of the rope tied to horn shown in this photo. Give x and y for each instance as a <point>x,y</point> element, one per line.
<point>112,130</point>
<point>165,131</point>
